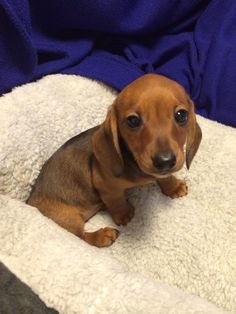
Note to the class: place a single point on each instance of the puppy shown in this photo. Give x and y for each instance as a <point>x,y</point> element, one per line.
<point>141,141</point>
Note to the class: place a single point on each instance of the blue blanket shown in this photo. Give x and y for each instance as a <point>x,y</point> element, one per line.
<point>116,41</point>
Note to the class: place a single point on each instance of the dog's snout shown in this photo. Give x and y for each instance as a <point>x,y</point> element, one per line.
<point>164,161</point>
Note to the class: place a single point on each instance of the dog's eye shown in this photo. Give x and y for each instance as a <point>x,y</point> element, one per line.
<point>181,116</point>
<point>133,121</point>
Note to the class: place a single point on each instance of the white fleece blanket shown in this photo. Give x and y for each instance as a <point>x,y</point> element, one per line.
<point>176,256</point>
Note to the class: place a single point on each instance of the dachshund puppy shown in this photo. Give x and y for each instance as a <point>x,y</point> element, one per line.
<point>148,133</point>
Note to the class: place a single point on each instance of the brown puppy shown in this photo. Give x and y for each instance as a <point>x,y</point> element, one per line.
<point>141,141</point>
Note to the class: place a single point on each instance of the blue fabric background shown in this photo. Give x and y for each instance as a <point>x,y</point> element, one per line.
<point>116,41</point>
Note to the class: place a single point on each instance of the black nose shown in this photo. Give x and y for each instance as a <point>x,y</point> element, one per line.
<point>164,161</point>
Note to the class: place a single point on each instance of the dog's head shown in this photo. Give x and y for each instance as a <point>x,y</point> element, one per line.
<point>155,118</point>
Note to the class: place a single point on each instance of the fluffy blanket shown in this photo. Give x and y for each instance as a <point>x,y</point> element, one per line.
<point>175,256</point>
<point>17,298</point>
<point>193,42</point>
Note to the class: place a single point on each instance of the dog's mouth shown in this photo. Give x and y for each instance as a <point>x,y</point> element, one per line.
<point>159,174</point>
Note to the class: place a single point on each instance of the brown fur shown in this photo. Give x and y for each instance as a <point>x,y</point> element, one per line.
<point>93,170</point>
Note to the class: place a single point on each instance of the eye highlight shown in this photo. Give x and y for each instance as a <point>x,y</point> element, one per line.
<point>181,116</point>
<point>133,121</point>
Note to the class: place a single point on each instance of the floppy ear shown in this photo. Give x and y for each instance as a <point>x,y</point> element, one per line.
<point>194,137</point>
<point>106,145</point>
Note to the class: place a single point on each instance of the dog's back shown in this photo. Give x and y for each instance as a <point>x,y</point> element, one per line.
<point>66,176</point>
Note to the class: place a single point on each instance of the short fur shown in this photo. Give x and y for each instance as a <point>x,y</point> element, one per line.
<point>93,170</point>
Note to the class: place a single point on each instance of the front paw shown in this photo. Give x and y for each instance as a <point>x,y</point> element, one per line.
<point>180,189</point>
<point>123,217</point>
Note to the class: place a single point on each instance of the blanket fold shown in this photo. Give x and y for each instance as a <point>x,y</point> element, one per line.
<point>192,42</point>
<point>16,297</point>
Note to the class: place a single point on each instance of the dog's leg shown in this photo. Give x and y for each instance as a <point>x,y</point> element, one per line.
<point>118,207</point>
<point>70,218</point>
<point>102,237</point>
<point>173,187</point>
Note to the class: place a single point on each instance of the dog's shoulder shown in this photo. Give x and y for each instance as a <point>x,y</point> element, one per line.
<point>81,140</point>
